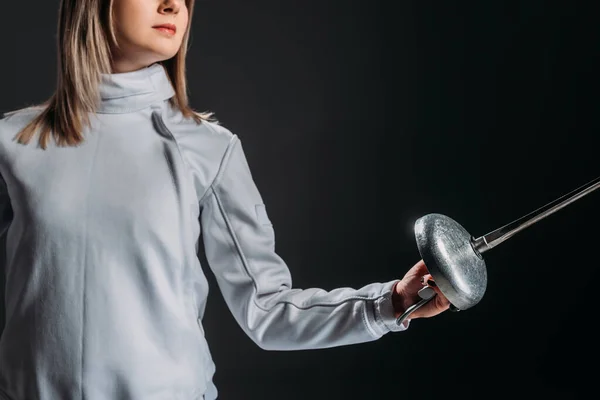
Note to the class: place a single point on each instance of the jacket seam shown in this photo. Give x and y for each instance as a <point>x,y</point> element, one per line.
<point>124,96</point>
<point>84,274</point>
<point>236,247</point>
<point>119,110</point>
<point>222,165</point>
<point>366,321</point>
<point>163,125</point>
<point>189,293</point>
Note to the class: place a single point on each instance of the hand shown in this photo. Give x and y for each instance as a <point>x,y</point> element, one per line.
<point>405,293</point>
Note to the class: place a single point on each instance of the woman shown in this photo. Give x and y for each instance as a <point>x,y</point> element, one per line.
<point>105,292</point>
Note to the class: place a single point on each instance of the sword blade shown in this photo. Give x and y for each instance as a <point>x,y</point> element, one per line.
<point>494,238</point>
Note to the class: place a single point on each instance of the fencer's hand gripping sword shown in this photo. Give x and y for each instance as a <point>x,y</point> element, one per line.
<point>454,257</point>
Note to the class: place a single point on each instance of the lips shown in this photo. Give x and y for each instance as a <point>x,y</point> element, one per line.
<point>167,28</point>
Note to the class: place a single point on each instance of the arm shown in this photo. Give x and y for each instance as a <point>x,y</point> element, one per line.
<point>5,208</point>
<point>256,283</point>
<point>5,219</point>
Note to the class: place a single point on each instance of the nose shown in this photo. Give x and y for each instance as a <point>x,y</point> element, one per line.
<point>170,6</point>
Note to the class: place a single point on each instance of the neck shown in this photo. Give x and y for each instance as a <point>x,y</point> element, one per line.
<point>121,66</point>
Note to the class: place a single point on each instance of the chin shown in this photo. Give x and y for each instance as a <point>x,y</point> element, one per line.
<point>158,51</point>
<point>165,55</point>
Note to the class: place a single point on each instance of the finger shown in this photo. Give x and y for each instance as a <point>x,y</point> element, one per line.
<point>442,302</point>
<point>429,310</point>
<point>439,294</point>
<point>426,278</point>
<point>420,267</point>
<point>434,307</point>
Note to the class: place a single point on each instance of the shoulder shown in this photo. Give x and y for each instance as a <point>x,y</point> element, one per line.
<point>205,140</point>
<point>188,128</point>
<point>204,146</point>
<point>216,131</point>
<point>11,123</point>
<point>18,119</point>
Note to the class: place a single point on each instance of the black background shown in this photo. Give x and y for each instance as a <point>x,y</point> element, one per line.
<point>359,117</point>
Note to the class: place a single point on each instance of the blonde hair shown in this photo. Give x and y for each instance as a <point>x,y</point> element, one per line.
<point>85,34</point>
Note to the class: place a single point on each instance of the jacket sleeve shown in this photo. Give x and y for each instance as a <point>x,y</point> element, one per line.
<point>5,208</point>
<point>256,284</point>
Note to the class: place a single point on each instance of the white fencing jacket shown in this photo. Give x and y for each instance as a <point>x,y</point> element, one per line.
<point>104,289</point>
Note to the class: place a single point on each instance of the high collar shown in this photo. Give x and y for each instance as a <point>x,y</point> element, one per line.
<point>132,91</point>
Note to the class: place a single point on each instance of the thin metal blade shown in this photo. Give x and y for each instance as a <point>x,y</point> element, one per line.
<point>494,238</point>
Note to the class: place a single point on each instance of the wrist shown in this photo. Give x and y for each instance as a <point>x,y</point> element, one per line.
<point>397,300</point>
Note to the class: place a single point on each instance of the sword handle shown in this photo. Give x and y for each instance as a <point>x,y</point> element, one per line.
<point>426,294</point>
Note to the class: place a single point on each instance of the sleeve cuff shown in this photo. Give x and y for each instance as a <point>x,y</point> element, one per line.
<point>383,313</point>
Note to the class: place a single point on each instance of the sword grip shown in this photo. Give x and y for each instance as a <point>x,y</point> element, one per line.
<point>426,294</point>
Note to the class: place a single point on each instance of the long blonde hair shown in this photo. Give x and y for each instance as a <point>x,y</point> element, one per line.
<point>85,34</point>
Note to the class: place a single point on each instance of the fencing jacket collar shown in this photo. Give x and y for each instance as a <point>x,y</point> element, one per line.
<point>132,91</point>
